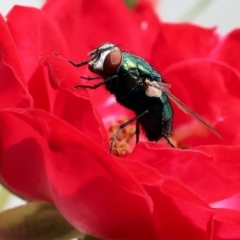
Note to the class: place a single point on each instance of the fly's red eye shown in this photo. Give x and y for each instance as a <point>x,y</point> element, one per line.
<point>112,61</point>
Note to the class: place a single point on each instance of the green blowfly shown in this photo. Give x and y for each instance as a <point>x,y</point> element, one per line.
<point>138,87</point>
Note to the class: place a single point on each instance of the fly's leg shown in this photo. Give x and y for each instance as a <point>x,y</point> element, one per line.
<point>137,131</point>
<point>167,126</point>
<point>167,115</point>
<point>78,64</point>
<point>168,140</point>
<point>91,78</point>
<point>123,126</point>
<point>96,85</point>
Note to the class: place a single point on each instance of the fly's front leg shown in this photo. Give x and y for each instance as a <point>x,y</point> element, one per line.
<point>78,64</point>
<point>91,78</point>
<point>96,85</point>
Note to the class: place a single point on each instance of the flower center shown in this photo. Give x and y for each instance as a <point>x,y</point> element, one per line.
<point>121,145</point>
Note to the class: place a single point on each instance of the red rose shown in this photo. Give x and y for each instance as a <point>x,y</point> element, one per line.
<point>54,141</point>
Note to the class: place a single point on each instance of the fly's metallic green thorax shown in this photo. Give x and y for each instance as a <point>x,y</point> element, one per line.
<point>131,61</point>
<point>132,73</point>
<point>135,65</point>
<point>137,70</point>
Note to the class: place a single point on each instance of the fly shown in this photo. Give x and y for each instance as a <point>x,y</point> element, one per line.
<point>138,87</point>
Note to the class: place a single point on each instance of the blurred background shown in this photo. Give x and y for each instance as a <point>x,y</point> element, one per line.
<point>221,13</point>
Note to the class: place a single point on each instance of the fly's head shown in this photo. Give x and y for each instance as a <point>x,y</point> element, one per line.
<point>106,59</point>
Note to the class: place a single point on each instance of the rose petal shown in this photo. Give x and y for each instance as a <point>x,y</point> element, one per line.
<point>32,38</point>
<point>41,31</point>
<point>229,50</point>
<point>14,92</point>
<point>74,106</point>
<point>203,169</point>
<point>180,42</point>
<point>226,224</point>
<point>103,26</point>
<point>79,112</point>
<point>209,89</point>
<point>66,167</point>
<point>191,214</point>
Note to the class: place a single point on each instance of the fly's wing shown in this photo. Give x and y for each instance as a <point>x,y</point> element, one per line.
<point>164,87</point>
